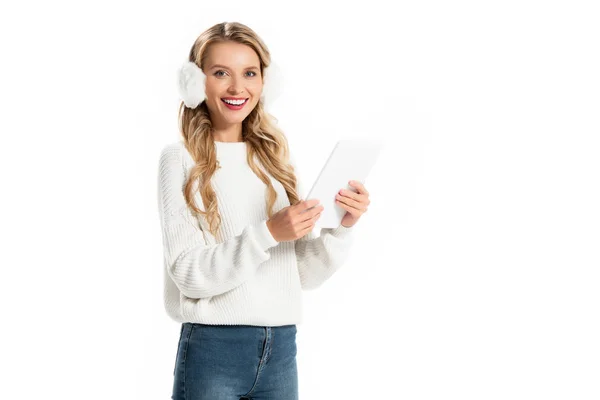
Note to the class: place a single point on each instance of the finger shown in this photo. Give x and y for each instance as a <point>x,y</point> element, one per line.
<point>305,205</point>
<point>311,213</point>
<point>355,196</point>
<point>360,187</point>
<point>308,224</point>
<point>346,207</point>
<point>355,205</point>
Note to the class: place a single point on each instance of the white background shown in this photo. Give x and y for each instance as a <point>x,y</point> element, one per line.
<point>476,271</point>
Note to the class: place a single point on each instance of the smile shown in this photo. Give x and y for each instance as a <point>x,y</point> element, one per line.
<point>235,104</point>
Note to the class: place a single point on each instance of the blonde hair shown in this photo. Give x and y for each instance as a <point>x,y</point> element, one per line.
<point>263,139</point>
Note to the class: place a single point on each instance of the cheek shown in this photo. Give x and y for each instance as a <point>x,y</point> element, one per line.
<point>256,87</point>
<point>212,89</point>
<point>215,85</point>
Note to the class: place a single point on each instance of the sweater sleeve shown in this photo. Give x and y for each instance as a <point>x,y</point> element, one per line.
<point>200,270</point>
<point>318,257</point>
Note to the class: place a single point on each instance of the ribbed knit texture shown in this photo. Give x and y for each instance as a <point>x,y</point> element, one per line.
<point>242,275</point>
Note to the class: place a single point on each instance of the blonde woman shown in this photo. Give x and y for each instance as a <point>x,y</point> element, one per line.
<point>238,246</point>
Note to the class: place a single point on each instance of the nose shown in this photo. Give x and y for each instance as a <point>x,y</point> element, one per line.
<point>237,86</point>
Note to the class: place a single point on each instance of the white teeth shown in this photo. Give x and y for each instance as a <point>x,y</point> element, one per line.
<point>234,102</point>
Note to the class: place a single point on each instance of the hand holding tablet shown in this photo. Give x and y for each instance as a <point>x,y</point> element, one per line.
<point>349,160</point>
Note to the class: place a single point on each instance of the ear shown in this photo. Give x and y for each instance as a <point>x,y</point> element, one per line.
<point>272,84</point>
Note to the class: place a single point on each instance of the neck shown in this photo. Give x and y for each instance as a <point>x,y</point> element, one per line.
<point>232,133</point>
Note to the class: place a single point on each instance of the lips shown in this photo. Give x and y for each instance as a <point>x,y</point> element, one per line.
<point>225,98</point>
<point>234,106</point>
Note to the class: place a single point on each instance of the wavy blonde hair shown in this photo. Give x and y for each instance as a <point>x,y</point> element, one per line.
<point>264,140</point>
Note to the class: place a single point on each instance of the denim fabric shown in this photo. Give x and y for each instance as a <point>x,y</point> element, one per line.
<point>233,362</point>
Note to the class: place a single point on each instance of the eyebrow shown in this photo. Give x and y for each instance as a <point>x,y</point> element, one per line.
<point>223,66</point>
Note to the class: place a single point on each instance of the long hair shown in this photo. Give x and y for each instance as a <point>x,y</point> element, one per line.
<point>263,139</point>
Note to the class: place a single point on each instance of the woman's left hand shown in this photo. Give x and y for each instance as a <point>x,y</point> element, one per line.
<point>355,203</point>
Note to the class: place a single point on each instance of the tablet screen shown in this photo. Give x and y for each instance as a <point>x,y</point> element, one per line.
<point>350,159</point>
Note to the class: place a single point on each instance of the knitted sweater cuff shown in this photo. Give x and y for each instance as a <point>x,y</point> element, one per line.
<point>342,232</point>
<point>263,235</point>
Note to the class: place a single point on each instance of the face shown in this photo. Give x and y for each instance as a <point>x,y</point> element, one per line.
<point>232,72</point>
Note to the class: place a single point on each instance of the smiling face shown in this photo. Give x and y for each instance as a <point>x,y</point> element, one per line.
<point>232,72</point>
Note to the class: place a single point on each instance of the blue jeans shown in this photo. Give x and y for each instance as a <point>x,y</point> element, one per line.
<point>233,362</point>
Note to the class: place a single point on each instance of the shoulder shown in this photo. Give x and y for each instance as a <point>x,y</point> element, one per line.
<point>171,155</point>
<point>172,148</point>
<point>175,159</point>
<point>175,150</point>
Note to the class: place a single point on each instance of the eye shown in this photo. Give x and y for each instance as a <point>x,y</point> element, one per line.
<point>217,73</point>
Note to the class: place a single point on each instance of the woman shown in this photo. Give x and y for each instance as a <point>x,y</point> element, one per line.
<point>238,246</point>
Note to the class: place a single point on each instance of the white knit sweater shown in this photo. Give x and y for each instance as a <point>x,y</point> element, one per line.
<point>241,276</point>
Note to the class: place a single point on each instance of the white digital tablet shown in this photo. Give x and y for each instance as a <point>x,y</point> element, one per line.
<point>350,159</point>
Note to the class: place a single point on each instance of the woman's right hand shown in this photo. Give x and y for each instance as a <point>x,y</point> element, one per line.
<point>293,222</point>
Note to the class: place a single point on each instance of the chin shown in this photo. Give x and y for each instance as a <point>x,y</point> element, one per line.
<point>235,120</point>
